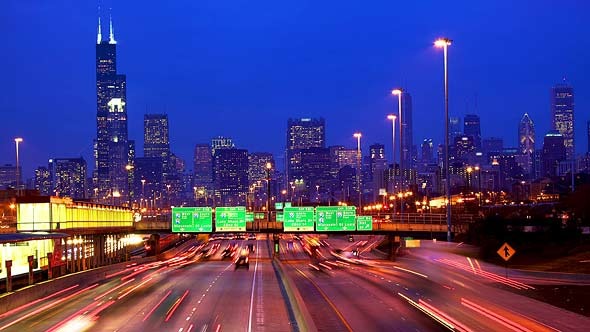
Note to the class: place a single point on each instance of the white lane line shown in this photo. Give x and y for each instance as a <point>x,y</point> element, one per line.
<point>252,293</point>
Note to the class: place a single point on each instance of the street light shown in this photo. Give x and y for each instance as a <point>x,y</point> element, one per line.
<point>445,43</point>
<point>469,170</point>
<point>16,141</point>
<point>358,165</point>
<point>478,169</point>
<point>392,118</point>
<point>268,168</point>
<point>398,93</point>
<point>143,192</point>
<point>129,168</point>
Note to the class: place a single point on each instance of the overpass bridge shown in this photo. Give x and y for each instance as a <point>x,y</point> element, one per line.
<point>400,223</point>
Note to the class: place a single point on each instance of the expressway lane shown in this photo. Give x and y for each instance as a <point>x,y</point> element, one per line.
<point>172,296</point>
<point>469,301</point>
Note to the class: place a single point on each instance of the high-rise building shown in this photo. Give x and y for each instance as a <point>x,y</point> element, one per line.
<point>407,131</point>
<point>492,145</point>
<point>562,115</point>
<point>8,175</point>
<point>302,134</point>
<point>230,176</point>
<point>454,128</point>
<point>156,140</point>
<point>472,127</point>
<point>221,142</point>
<point>43,181</point>
<point>427,149</point>
<point>148,182</point>
<point>68,177</point>
<point>377,167</point>
<point>554,151</point>
<point>306,133</point>
<point>203,166</point>
<point>526,141</point>
<point>111,146</point>
<point>257,166</point>
<point>311,167</point>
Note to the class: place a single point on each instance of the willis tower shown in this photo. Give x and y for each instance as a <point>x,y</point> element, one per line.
<point>113,152</point>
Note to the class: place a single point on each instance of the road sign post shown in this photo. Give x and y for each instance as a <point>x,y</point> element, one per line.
<point>192,220</point>
<point>506,252</point>
<point>230,219</point>
<point>298,219</point>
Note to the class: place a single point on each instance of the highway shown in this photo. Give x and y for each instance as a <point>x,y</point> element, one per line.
<point>200,290</point>
<point>182,294</point>
<point>418,291</point>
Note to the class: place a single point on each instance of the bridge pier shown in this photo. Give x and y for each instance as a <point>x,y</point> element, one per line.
<point>393,246</point>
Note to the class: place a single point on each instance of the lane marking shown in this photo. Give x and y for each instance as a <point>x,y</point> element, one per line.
<point>252,293</point>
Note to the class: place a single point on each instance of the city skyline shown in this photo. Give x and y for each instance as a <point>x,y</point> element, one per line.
<point>365,113</point>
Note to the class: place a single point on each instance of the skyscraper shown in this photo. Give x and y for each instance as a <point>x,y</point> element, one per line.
<point>43,181</point>
<point>302,134</point>
<point>562,115</point>
<point>526,141</point>
<point>454,128</point>
<point>472,127</point>
<point>203,166</point>
<point>111,147</point>
<point>230,176</point>
<point>156,140</point>
<point>427,148</point>
<point>68,177</point>
<point>554,151</point>
<point>221,142</point>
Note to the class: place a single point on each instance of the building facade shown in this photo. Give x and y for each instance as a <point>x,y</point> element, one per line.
<point>111,146</point>
<point>472,127</point>
<point>562,115</point>
<point>68,177</point>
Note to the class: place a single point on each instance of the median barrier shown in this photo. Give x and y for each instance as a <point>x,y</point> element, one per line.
<point>295,301</point>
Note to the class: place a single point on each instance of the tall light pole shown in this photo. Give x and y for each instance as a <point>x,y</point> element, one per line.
<point>358,165</point>
<point>268,168</point>
<point>398,93</point>
<point>445,43</point>
<point>392,118</point>
<point>129,169</point>
<point>16,141</point>
<point>143,192</point>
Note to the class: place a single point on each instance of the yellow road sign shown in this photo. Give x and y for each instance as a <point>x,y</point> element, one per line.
<point>506,251</point>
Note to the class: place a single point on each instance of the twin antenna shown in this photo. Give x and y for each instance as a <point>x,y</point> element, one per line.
<point>111,31</point>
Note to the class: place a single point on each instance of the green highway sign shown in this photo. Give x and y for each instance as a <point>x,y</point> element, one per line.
<point>335,218</point>
<point>230,219</point>
<point>280,216</point>
<point>298,219</point>
<point>192,219</point>
<point>364,223</point>
<point>279,206</point>
<point>249,216</point>
<point>287,204</point>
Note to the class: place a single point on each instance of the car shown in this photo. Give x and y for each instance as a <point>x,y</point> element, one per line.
<point>242,259</point>
<point>350,238</point>
<point>252,236</point>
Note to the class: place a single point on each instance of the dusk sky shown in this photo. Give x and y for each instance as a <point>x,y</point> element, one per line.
<point>242,68</point>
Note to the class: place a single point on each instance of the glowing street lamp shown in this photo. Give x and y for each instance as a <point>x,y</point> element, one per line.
<point>392,118</point>
<point>16,141</point>
<point>358,165</point>
<point>268,168</point>
<point>444,43</point>
<point>402,155</point>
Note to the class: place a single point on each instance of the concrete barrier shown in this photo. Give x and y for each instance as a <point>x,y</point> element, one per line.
<point>297,305</point>
<point>10,301</point>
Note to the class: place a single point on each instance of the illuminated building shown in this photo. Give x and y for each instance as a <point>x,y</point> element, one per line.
<point>454,128</point>
<point>43,181</point>
<point>8,176</point>
<point>526,142</point>
<point>472,127</point>
<point>156,141</point>
<point>68,177</point>
<point>554,151</point>
<point>230,176</point>
<point>111,146</point>
<point>257,166</point>
<point>562,115</point>
<point>427,149</point>
<point>310,167</point>
<point>221,142</point>
<point>302,134</point>
<point>203,166</point>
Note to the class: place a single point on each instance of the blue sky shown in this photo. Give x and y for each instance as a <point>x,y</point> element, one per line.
<point>242,68</point>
